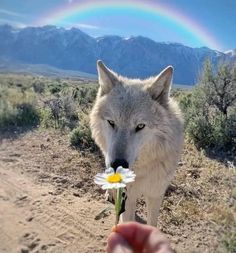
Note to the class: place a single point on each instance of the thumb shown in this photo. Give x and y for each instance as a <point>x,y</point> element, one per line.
<point>117,244</point>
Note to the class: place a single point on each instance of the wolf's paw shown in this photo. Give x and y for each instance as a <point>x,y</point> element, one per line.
<point>109,196</point>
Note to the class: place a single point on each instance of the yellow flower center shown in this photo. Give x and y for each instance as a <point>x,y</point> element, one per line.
<point>114,178</point>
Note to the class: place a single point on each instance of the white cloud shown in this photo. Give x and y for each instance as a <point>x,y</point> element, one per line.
<point>13,23</point>
<point>79,25</point>
<point>88,26</point>
<point>11,13</point>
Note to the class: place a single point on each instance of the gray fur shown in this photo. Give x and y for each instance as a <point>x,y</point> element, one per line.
<point>152,152</point>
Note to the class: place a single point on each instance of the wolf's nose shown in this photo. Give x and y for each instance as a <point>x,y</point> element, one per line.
<point>119,162</point>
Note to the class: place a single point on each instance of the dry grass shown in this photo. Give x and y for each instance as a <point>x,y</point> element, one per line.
<point>198,212</point>
<point>200,202</point>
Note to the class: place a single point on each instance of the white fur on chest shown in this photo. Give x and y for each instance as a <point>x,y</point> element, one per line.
<point>150,180</point>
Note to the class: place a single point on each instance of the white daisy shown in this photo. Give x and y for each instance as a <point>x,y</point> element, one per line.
<point>114,180</point>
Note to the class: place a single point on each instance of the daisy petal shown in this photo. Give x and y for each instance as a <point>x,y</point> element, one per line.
<point>119,185</point>
<point>100,178</point>
<point>101,175</point>
<point>100,182</point>
<point>109,170</point>
<point>130,176</point>
<point>128,180</point>
<point>121,170</point>
<point>122,185</point>
<point>107,186</point>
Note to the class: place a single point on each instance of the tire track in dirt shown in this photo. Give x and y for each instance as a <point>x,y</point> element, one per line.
<point>33,219</point>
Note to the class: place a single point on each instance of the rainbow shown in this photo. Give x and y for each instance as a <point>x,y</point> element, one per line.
<point>86,8</point>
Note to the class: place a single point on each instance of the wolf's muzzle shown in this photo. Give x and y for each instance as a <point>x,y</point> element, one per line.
<point>119,162</point>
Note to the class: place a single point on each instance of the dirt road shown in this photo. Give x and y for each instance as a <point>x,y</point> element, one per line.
<point>35,218</point>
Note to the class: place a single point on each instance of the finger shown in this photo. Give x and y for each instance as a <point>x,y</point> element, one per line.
<point>163,249</point>
<point>157,242</point>
<point>136,234</point>
<point>117,244</point>
<point>142,236</point>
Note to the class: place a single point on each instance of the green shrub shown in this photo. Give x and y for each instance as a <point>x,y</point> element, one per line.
<point>38,87</point>
<point>7,115</point>
<point>69,107</point>
<point>81,137</point>
<point>60,112</point>
<point>55,88</point>
<point>229,242</point>
<point>92,93</point>
<point>27,115</point>
<point>209,111</point>
<point>199,130</point>
<point>24,114</point>
<point>46,118</point>
<point>18,106</point>
<point>85,95</point>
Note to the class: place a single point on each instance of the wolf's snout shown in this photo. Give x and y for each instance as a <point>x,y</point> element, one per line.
<point>119,162</point>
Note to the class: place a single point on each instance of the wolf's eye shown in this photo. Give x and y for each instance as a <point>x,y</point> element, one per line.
<point>139,127</point>
<point>111,123</point>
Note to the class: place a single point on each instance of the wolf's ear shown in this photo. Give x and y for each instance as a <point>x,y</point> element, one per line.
<point>106,78</point>
<point>160,88</point>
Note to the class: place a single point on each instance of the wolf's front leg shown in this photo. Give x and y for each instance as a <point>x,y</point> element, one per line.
<point>153,206</point>
<point>129,214</point>
<point>130,205</point>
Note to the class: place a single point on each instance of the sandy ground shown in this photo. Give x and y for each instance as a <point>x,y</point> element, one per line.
<point>49,203</point>
<point>40,217</point>
<point>35,218</point>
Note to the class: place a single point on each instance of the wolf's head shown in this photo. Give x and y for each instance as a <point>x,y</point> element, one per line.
<point>131,117</point>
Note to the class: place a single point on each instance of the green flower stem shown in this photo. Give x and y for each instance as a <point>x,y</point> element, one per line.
<point>118,204</point>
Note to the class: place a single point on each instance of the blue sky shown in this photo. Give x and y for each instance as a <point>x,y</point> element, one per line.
<point>216,17</point>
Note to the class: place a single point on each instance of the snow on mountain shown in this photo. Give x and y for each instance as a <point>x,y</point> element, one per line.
<point>137,57</point>
<point>231,52</point>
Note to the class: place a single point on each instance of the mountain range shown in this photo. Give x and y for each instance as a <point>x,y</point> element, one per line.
<point>135,57</point>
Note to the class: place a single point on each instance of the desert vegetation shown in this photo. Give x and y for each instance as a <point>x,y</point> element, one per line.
<point>210,110</point>
<point>28,102</point>
<point>202,194</point>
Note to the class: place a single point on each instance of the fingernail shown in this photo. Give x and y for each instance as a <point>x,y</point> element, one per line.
<point>114,229</point>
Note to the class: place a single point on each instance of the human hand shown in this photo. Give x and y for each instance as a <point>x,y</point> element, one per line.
<point>133,237</point>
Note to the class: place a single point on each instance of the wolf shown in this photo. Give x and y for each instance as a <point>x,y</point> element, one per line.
<point>138,126</point>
